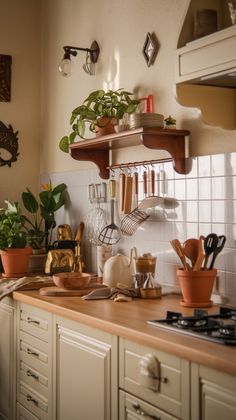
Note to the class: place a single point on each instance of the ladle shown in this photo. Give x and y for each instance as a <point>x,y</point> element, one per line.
<point>191,249</point>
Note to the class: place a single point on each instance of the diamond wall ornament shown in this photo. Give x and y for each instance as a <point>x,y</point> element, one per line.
<point>150,48</point>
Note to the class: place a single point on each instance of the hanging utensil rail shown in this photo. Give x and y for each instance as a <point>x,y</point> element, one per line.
<point>139,163</point>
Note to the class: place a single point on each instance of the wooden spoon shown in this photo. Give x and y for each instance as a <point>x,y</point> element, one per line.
<point>179,251</point>
<point>191,249</point>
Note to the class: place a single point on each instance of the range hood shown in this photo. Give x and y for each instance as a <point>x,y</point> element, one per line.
<point>209,61</point>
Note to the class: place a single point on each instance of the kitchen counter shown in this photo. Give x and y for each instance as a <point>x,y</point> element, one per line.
<point>128,320</point>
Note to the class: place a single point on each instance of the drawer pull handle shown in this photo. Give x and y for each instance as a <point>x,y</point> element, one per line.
<point>142,413</point>
<point>33,400</point>
<point>33,375</point>
<point>159,378</point>
<point>32,321</point>
<point>33,353</point>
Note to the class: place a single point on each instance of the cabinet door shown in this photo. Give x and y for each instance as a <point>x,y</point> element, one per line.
<point>85,368</point>
<point>213,394</point>
<point>7,361</point>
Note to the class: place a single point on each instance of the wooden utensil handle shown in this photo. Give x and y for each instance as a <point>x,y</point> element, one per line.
<point>135,178</point>
<point>136,183</point>
<point>145,183</point>
<point>128,194</point>
<point>152,179</point>
<point>121,191</point>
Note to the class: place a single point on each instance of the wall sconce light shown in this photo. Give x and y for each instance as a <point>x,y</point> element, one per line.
<point>92,54</point>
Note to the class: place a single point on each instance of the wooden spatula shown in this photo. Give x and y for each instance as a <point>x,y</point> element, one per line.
<point>201,256</point>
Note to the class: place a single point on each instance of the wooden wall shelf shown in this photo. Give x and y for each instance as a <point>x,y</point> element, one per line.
<point>97,149</point>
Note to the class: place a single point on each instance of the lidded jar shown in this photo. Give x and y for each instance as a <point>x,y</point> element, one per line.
<point>145,263</point>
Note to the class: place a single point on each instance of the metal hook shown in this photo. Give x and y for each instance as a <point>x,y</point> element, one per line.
<point>112,172</point>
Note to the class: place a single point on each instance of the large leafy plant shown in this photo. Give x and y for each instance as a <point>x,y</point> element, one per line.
<point>110,104</point>
<point>40,227</point>
<point>12,222</point>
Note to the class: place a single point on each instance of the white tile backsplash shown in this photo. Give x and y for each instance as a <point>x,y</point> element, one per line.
<point>205,201</point>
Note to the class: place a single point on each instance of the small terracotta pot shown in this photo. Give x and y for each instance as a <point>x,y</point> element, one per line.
<point>15,261</point>
<point>106,126</point>
<point>196,287</point>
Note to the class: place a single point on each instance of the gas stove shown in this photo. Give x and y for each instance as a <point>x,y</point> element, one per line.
<point>218,327</point>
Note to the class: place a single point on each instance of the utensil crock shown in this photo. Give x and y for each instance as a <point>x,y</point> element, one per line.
<point>196,287</point>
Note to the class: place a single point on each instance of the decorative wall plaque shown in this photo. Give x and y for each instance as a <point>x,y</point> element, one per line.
<point>8,145</point>
<point>150,48</point>
<point>5,78</point>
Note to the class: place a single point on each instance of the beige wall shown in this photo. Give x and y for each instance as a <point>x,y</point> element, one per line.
<point>20,38</point>
<point>120,27</point>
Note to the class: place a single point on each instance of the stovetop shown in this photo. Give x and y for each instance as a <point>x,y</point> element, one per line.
<point>218,327</point>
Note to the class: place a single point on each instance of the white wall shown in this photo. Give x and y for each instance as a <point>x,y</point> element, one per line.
<point>20,38</point>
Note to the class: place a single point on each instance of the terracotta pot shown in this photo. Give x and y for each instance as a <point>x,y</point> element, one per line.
<point>196,287</point>
<point>106,126</point>
<point>15,261</point>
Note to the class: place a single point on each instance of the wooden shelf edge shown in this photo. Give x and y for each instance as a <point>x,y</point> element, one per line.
<point>97,149</point>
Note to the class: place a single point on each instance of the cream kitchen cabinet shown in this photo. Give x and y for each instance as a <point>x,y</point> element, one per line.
<point>86,366</point>
<point>7,360</point>
<point>159,379</point>
<point>213,394</point>
<point>34,362</point>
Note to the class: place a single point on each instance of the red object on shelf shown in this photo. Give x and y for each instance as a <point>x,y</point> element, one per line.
<point>149,104</point>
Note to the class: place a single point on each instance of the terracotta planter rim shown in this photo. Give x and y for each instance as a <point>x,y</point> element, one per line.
<point>12,251</point>
<point>201,273</point>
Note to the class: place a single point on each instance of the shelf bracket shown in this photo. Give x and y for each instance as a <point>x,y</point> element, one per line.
<point>175,147</point>
<point>99,157</point>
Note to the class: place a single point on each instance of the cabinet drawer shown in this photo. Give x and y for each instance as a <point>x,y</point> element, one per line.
<point>158,378</point>
<point>34,353</point>
<point>34,402</point>
<point>36,322</point>
<point>132,408</point>
<point>23,414</point>
<point>33,378</point>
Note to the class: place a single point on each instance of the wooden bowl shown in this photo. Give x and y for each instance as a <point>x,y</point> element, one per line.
<point>72,280</point>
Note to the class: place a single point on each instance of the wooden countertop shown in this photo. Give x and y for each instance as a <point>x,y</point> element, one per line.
<point>128,320</point>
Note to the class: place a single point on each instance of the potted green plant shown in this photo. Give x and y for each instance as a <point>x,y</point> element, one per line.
<point>13,241</point>
<point>99,110</point>
<point>170,122</point>
<point>40,227</point>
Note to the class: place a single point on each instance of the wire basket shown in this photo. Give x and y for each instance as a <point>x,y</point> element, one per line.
<point>132,221</point>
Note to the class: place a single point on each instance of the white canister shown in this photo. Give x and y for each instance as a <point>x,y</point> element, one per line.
<point>104,252</point>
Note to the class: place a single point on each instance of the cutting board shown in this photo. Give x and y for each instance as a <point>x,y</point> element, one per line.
<point>58,291</point>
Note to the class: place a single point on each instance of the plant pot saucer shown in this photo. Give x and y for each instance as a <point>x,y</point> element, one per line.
<point>196,304</point>
<point>13,275</point>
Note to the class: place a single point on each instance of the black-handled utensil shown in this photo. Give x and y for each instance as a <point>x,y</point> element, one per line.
<point>210,244</point>
<point>218,249</point>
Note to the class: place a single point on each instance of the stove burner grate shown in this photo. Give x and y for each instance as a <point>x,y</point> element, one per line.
<point>218,327</point>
